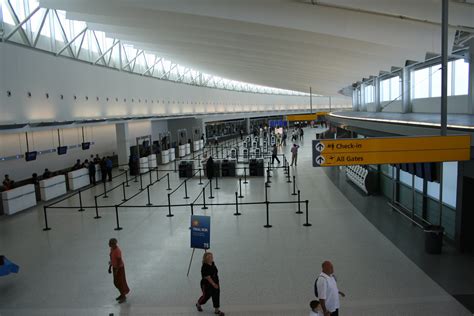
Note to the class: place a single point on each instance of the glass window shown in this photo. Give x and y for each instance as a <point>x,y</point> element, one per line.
<point>405,178</point>
<point>369,93</point>
<point>395,91</point>
<point>450,184</point>
<point>421,83</point>
<point>435,80</point>
<point>385,90</point>
<point>461,77</point>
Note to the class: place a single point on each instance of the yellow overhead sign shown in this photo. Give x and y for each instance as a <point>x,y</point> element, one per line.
<point>367,151</point>
<point>305,117</point>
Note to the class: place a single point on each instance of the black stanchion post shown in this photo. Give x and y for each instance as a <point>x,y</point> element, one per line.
<point>269,175</point>
<point>307,223</point>
<point>217,183</point>
<point>245,175</point>
<point>294,186</point>
<point>141,182</point>
<point>149,173</point>
<point>168,179</point>
<point>105,191</point>
<point>117,219</point>
<point>236,205</point>
<point>240,188</point>
<point>157,177</point>
<point>80,202</point>
<point>210,189</point>
<point>200,178</point>
<point>288,174</point>
<point>123,192</point>
<point>267,205</point>
<point>204,199</point>
<point>46,227</point>
<point>148,195</point>
<point>169,206</point>
<point>268,178</point>
<point>299,203</point>
<point>186,189</point>
<point>96,208</point>
<point>192,209</point>
<point>175,170</point>
<point>126,178</point>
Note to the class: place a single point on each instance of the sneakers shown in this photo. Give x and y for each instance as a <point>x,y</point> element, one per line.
<point>199,308</point>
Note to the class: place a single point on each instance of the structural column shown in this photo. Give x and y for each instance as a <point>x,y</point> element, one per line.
<point>470,90</point>
<point>355,101</point>
<point>247,125</point>
<point>406,102</point>
<point>377,107</point>
<point>123,143</point>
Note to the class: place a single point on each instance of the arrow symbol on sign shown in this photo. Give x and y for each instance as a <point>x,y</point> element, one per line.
<point>331,158</point>
<point>320,160</point>
<point>320,147</point>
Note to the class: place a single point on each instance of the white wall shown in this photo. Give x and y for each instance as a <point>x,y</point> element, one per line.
<point>24,70</point>
<point>456,105</point>
<point>391,106</point>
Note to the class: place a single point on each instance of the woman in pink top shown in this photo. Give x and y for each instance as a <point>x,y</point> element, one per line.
<point>117,266</point>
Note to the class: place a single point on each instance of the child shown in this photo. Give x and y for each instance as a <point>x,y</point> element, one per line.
<point>315,308</point>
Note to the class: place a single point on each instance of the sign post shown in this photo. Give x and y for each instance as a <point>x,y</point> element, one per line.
<point>200,234</point>
<point>374,151</point>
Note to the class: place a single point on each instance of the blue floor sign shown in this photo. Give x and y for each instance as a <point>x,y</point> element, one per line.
<point>7,267</point>
<point>200,231</point>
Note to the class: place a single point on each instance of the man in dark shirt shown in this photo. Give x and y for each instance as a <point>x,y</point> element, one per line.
<point>46,174</point>
<point>108,163</point>
<point>274,154</point>
<point>7,183</point>
<point>91,168</point>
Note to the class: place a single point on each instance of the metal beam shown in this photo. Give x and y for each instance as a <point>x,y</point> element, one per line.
<point>38,35</point>
<point>152,66</point>
<point>133,59</point>
<point>63,33</point>
<point>68,45</point>
<point>21,31</point>
<point>105,53</point>
<point>19,26</point>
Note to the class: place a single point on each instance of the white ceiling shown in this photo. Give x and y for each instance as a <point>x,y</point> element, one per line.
<point>288,44</point>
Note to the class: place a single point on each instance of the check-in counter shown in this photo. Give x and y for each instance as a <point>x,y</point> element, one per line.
<point>165,157</point>
<point>52,187</point>
<point>196,145</point>
<point>188,149</point>
<point>172,154</point>
<point>152,161</point>
<point>182,151</point>
<point>144,165</point>
<point>18,199</point>
<point>78,178</point>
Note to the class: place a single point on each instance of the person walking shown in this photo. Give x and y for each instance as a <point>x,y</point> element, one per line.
<point>294,155</point>
<point>209,284</point>
<point>275,154</point>
<point>108,163</point>
<point>326,290</point>
<point>117,267</point>
<point>103,169</point>
<point>210,168</point>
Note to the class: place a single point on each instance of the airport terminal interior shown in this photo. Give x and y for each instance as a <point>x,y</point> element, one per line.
<point>276,135</point>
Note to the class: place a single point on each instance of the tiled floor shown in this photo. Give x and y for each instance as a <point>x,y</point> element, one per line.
<point>263,271</point>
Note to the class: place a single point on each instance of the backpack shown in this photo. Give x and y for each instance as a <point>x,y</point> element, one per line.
<point>316,286</point>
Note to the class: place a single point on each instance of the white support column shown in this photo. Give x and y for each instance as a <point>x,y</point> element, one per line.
<point>470,89</point>
<point>123,143</point>
<point>377,95</point>
<point>247,124</point>
<point>355,101</point>
<point>406,89</point>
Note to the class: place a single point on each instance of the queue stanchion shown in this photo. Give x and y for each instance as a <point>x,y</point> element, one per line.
<point>268,179</point>
<point>168,179</point>
<point>175,170</point>
<point>141,182</point>
<point>268,171</point>
<point>204,199</point>
<point>105,191</point>
<point>186,189</point>
<point>267,205</point>
<point>151,179</point>
<point>126,179</point>
<point>200,177</point>
<point>294,186</point>
<point>192,208</point>
<point>96,208</point>
<point>240,188</point>
<point>299,203</point>
<point>237,205</point>
<point>169,206</point>
<point>117,219</point>
<point>210,189</point>
<point>245,175</point>
<point>307,224</point>
<point>288,175</point>
<point>157,177</point>
<point>148,195</point>
<point>123,192</point>
<point>46,227</point>
<point>81,209</point>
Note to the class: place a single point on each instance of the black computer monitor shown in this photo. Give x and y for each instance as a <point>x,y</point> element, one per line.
<point>86,146</point>
<point>62,150</point>
<point>31,155</point>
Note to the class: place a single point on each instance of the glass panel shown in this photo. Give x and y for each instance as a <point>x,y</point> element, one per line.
<point>395,88</point>
<point>405,178</point>
<point>433,190</point>
<point>421,83</point>
<point>419,184</point>
<point>385,90</point>
<point>461,77</point>
<point>435,80</point>
<point>450,182</point>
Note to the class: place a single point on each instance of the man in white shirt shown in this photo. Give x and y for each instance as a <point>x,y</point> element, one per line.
<point>327,290</point>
